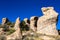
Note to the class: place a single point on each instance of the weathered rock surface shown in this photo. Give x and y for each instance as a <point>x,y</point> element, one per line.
<point>47,38</point>
<point>27,21</point>
<point>17,24</point>
<point>33,23</point>
<point>47,23</point>
<point>1,31</point>
<point>45,26</point>
<point>4,20</point>
<point>17,34</point>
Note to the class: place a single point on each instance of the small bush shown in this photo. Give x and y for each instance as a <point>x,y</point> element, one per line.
<point>23,26</point>
<point>11,24</point>
<point>5,28</point>
<point>8,23</point>
<point>10,31</point>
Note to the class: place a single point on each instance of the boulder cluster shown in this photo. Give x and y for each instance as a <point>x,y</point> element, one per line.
<point>45,24</point>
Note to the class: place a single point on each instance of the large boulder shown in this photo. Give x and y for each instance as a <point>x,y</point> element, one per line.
<point>47,23</point>
<point>33,23</point>
<point>17,34</point>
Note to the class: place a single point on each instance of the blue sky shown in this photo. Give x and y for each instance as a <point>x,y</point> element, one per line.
<point>25,8</point>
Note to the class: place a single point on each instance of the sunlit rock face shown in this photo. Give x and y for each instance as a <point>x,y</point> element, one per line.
<point>4,21</point>
<point>17,24</point>
<point>27,21</point>
<point>17,34</point>
<point>1,31</point>
<point>33,23</point>
<point>47,23</point>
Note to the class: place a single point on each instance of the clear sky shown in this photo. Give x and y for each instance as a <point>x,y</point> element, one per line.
<point>25,8</point>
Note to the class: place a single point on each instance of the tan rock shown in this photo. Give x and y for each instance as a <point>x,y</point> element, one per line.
<point>47,23</point>
<point>33,23</point>
<point>17,23</point>
<point>27,21</point>
<point>1,31</point>
<point>4,20</point>
<point>17,34</point>
<point>47,38</point>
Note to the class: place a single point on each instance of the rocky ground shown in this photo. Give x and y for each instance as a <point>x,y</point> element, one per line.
<point>29,35</point>
<point>35,36</point>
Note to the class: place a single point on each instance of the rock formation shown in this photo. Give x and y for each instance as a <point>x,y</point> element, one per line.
<point>17,23</point>
<point>47,23</point>
<point>4,20</point>
<point>1,31</point>
<point>17,34</point>
<point>45,26</point>
<point>27,21</point>
<point>33,23</point>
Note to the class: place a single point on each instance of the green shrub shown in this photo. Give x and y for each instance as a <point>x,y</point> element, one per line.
<point>23,26</point>
<point>10,31</point>
<point>11,24</point>
<point>5,28</point>
<point>8,23</point>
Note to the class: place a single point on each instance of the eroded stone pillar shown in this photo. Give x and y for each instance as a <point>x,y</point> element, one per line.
<point>27,21</point>
<point>17,24</point>
<point>33,23</point>
<point>17,34</point>
<point>4,21</point>
<point>47,23</point>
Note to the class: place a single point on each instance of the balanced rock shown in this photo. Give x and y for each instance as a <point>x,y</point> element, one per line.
<point>47,23</point>
<point>17,34</point>
<point>4,21</point>
<point>33,23</point>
